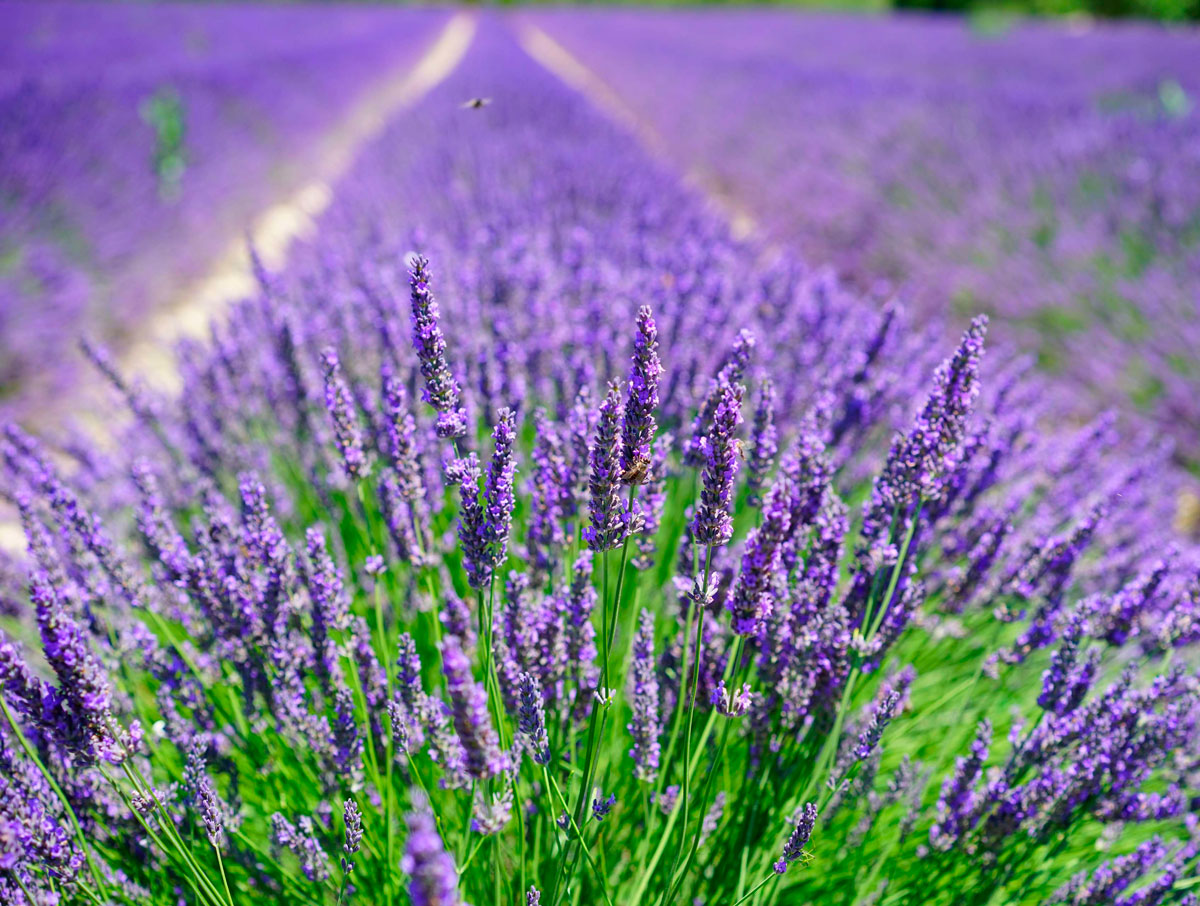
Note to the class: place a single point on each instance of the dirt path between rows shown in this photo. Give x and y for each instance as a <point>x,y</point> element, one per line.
<point>151,357</point>
<point>294,217</point>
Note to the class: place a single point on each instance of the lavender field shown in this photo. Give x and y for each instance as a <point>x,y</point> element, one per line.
<point>1046,175</point>
<point>136,142</point>
<point>652,480</point>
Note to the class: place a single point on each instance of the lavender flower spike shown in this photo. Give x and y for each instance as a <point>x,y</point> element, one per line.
<point>956,806</point>
<point>199,790</point>
<point>919,460</point>
<point>469,709</point>
<point>793,849</point>
<point>646,726</point>
<point>751,602</point>
<point>340,403</point>
<point>400,428</point>
<point>433,879</point>
<point>533,897</point>
<point>764,443</point>
<point>354,833</point>
<point>483,528</point>
<point>637,424</point>
<point>713,524</point>
<point>609,521</point>
<point>301,839</point>
<point>531,719</point>
<point>85,722</point>
<point>441,389</point>
<point>472,525</point>
<point>498,488</point>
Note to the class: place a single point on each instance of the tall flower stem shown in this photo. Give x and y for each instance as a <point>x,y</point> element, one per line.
<point>225,880</point>
<point>690,702</point>
<point>552,785</point>
<point>705,801</point>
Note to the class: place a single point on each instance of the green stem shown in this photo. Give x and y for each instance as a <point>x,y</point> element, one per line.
<point>677,881</point>
<point>553,785</point>
<point>755,889</point>
<point>690,701</point>
<point>224,879</point>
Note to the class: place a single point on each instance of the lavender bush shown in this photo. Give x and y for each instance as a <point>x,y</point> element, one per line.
<point>137,142</point>
<point>1044,174</point>
<point>477,563</point>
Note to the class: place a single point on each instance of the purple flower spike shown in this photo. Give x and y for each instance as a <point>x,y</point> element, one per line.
<point>433,879</point>
<point>84,723</point>
<point>956,806</point>
<point>441,389</point>
<point>347,433</point>
<point>301,839</point>
<point>484,526</point>
<point>469,710</point>
<point>531,718</point>
<point>354,833</point>
<point>1067,679</point>
<point>347,740</point>
<point>713,524</point>
<point>638,424</point>
<point>751,602</point>
<point>498,488</point>
<point>609,522</point>
<point>803,823</point>
<point>764,443</point>
<point>400,429</point>
<point>646,726</point>
<point>472,525</point>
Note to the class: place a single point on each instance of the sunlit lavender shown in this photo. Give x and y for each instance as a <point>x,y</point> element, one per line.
<point>531,538</point>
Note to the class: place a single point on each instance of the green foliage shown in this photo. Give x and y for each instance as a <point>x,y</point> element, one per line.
<point>163,112</point>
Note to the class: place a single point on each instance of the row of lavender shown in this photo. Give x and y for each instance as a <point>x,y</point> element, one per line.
<point>606,559</point>
<point>1046,175</point>
<point>137,142</point>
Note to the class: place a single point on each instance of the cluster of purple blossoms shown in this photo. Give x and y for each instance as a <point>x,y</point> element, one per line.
<point>638,419</point>
<point>433,879</point>
<point>469,709</point>
<point>531,719</point>
<point>751,601</point>
<point>340,405</point>
<point>713,523</point>
<point>441,389</point>
<point>301,839</point>
<point>764,443</point>
<point>352,820</point>
<point>608,520</point>
<point>802,823</point>
<point>646,725</point>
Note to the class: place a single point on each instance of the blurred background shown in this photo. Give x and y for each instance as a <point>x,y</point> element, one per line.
<point>1039,161</point>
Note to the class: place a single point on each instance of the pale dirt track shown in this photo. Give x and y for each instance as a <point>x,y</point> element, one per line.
<point>150,358</point>
<point>294,217</point>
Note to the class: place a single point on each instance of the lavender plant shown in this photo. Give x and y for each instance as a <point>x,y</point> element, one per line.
<point>300,638</point>
<point>1041,174</point>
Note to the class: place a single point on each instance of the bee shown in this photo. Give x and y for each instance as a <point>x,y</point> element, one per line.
<point>475,103</point>
<point>636,473</point>
<point>740,449</point>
